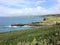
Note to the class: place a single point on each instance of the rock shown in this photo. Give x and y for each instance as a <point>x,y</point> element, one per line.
<point>34,24</point>
<point>17,24</point>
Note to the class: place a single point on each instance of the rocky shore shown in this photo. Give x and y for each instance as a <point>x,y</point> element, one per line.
<point>48,20</point>
<point>36,24</point>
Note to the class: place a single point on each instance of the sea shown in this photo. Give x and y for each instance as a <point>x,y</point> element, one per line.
<point>5,23</point>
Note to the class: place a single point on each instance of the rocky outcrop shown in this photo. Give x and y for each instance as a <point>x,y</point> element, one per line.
<point>36,24</point>
<point>17,24</point>
<point>30,24</point>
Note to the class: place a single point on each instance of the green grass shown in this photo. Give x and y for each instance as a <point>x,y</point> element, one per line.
<point>55,18</point>
<point>28,35</point>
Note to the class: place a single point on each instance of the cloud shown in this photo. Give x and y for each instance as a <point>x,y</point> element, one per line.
<point>24,11</point>
<point>55,8</point>
<point>20,3</point>
<point>27,7</point>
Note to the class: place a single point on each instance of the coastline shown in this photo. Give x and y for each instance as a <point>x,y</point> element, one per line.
<point>47,34</point>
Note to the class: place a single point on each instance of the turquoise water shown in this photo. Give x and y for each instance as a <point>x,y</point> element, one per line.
<point>5,23</point>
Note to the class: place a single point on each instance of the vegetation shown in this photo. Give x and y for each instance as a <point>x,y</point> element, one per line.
<point>41,35</point>
<point>52,18</point>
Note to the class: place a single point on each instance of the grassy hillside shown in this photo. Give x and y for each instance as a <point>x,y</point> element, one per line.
<point>41,35</point>
<point>53,18</point>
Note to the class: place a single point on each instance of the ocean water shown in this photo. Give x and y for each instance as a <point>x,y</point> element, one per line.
<point>5,23</point>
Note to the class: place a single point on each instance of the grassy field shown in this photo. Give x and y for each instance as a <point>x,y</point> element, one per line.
<point>52,18</point>
<point>41,35</point>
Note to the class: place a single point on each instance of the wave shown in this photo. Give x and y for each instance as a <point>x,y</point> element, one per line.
<point>8,26</point>
<point>26,26</point>
<point>11,26</point>
<point>14,26</point>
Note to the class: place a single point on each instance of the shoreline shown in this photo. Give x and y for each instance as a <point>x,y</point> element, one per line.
<point>46,22</point>
<point>48,34</point>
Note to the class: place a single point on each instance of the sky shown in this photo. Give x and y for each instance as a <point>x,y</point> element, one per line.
<point>29,7</point>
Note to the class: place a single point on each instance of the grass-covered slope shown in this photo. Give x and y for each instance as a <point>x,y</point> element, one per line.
<point>51,18</point>
<point>41,35</point>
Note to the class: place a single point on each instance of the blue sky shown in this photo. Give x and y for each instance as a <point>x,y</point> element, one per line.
<point>29,7</point>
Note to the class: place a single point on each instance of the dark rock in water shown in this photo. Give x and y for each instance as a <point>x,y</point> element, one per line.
<point>17,24</point>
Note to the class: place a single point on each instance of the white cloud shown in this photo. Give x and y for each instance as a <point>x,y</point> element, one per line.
<point>21,2</point>
<point>39,2</point>
<point>56,7</point>
<point>25,11</point>
<point>6,11</point>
